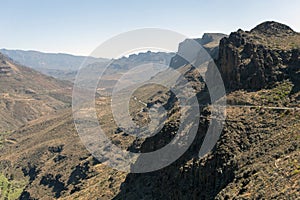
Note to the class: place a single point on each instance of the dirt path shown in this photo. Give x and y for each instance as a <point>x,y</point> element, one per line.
<point>241,106</point>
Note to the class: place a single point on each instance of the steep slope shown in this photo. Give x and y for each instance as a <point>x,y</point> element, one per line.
<point>26,94</point>
<point>45,160</point>
<point>255,158</point>
<point>257,155</point>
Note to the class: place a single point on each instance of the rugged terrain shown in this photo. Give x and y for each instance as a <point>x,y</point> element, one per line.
<point>256,59</point>
<point>41,152</point>
<point>256,157</point>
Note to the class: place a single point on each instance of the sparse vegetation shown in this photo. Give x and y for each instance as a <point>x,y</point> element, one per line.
<point>11,189</point>
<point>278,42</point>
<point>279,95</point>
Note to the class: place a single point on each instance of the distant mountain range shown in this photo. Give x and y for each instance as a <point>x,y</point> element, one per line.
<point>65,66</point>
<point>58,65</point>
<point>55,61</point>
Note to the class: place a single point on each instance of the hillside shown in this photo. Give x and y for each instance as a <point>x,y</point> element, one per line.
<point>43,156</point>
<point>26,94</point>
<point>46,159</point>
<point>257,155</point>
<point>38,140</point>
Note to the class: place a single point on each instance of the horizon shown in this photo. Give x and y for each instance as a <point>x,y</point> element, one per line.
<point>78,28</point>
<point>69,54</point>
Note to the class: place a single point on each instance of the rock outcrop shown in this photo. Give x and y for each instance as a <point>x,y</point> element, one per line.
<point>259,58</point>
<point>209,41</point>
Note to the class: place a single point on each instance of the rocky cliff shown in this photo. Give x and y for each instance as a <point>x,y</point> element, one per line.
<point>257,155</point>
<point>259,58</point>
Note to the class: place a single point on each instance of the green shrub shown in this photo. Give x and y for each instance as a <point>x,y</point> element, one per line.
<point>10,190</point>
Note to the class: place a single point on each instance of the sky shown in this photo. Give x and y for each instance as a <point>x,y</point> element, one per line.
<point>79,26</point>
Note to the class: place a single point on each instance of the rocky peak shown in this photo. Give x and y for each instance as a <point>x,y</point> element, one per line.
<point>272,28</point>
<point>211,37</point>
<point>210,42</point>
<point>255,60</point>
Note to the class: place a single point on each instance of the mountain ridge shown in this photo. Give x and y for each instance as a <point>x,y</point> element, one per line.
<point>241,165</point>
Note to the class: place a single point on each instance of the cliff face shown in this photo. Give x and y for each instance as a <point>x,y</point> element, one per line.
<point>209,41</point>
<point>259,58</point>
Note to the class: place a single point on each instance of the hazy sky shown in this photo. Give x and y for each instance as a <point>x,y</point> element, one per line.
<point>79,26</point>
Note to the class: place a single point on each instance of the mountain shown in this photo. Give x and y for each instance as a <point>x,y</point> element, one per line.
<point>257,154</point>
<point>58,65</point>
<point>41,152</point>
<point>26,94</point>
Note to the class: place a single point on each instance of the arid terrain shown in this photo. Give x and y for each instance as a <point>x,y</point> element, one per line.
<point>256,157</point>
